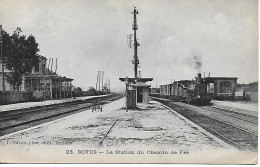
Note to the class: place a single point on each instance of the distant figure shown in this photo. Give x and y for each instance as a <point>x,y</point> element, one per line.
<point>96,105</point>
<point>74,94</point>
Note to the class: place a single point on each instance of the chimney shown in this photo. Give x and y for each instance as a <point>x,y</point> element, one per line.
<point>199,77</point>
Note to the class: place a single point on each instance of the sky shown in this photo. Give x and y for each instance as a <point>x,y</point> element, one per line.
<point>178,38</point>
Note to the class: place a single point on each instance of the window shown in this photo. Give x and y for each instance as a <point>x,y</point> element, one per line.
<point>37,67</point>
<point>43,68</point>
<point>225,87</point>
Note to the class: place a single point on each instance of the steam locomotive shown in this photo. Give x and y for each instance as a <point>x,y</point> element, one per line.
<point>188,91</point>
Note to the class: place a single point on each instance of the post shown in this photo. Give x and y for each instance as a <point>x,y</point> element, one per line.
<point>56,90</point>
<point>67,92</point>
<point>109,83</point>
<point>38,83</point>
<point>70,89</point>
<point>106,85</point>
<point>99,80</point>
<point>60,88</point>
<point>51,63</point>
<point>51,88</point>
<point>67,83</point>
<point>126,103</point>
<point>64,89</point>
<point>31,84</point>
<point>126,93</point>
<point>102,79</point>
<point>64,92</point>
<point>135,27</point>
<point>2,58</point>
<point>56,66</point>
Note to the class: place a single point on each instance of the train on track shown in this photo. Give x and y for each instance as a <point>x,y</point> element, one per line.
<point>188,91</point>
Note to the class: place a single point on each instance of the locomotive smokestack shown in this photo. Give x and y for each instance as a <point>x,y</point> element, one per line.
<point>199,77</point>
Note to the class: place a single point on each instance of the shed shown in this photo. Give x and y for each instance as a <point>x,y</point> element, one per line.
<point>142,92</point>
<point>222,88</point>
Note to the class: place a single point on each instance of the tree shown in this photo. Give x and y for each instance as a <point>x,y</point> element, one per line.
<point>90,92</point>
<point>20,56</point>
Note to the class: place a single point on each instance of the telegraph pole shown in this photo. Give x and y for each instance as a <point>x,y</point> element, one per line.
<point>102,80</point>
<point>51,63</point>
<point>56,66</point>
<point>136,44</point>
<point>97,81</point>
<point>109,83</point>
<point>2,58</point>
<point>99,73</point>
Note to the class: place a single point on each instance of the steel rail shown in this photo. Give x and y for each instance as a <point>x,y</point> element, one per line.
<point>232,111</point>
<point>49,116</point>
<point>231,115</point>
<point>41,118</point>
<point>11,114</point>
<point>207,127</point>
<point>217,121</point>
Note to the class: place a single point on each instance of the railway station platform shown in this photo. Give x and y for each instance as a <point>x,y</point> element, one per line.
<point>153,129</point>
<point>252,107</point>
<point>27,105</point>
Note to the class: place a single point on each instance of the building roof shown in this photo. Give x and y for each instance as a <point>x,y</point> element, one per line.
<point>211,79</point>
<point>42,57</point>
<point>132,80</point>
<point>140,84</point>
<point>49,76</point>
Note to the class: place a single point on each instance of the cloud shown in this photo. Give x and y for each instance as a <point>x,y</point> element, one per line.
<point>87,36</point>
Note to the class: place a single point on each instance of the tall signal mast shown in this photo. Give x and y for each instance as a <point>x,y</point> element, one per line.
<point>136,44</point>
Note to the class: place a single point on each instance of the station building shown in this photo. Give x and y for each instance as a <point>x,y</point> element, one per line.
<point>221,88</point>
<point>42,81</point>
<point>137,91</point>
<point>155,91</point>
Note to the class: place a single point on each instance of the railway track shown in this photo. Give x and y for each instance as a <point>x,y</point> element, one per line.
<point>21,119</point>
<point>237,115</point>
<point>236,136</point>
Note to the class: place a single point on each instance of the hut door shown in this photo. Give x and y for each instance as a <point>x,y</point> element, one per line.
<point>131,98</point>
<point>139,95</point>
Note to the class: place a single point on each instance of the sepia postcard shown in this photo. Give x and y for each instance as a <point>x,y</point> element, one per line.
<point>129,81</point>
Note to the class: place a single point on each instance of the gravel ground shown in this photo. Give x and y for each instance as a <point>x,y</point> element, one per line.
<point>151,126</point>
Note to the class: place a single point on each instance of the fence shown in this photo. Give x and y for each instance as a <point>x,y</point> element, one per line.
<point>251,96</point>
<point>247,96</point>
<point>15,97</point>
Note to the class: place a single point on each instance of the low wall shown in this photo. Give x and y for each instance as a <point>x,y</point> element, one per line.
<point>14,97</point>
<point>251,96</point>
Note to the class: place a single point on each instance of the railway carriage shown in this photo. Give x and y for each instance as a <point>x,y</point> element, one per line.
<point>188,91</point>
